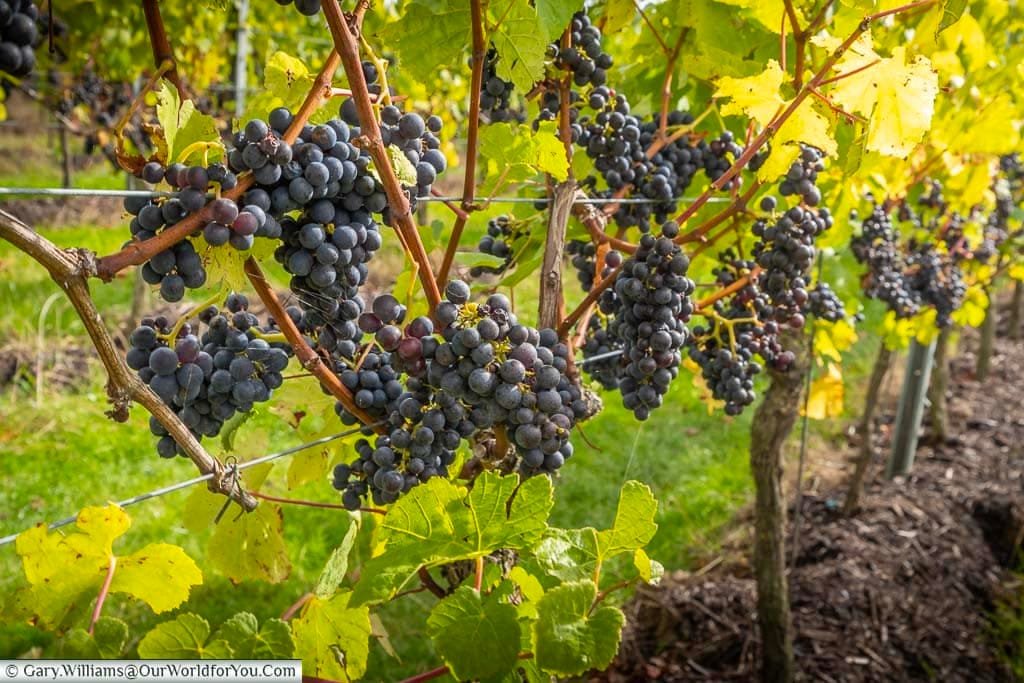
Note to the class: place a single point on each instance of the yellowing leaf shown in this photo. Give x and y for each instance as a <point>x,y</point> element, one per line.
<point>972,312</point>
<point>831,339</point>
<point>756,97</point>
<point>332,639</point>
<point>65,571</point>
<point>1016,272</point>
<point>826,396</point>
<point>898,97</point>
<point>806,125</point>
<point>182,125</point>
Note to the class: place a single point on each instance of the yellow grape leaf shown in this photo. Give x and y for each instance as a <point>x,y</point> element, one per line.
<point>65,571</point>
<point>756,97</point>
<point>182,125</point>
<point>988,129</point>
<point>897,332</point>
<point>826,396</point>
<point>332,639</point>
<point>1016,272</point>
<point>831,339</point>
<point>244,545</point>
<point>926,330</point>
<point>703,391</point>
<point>972,312</point>
<point>805,125</point>
<point>970,185</point>
<point>898,97</point>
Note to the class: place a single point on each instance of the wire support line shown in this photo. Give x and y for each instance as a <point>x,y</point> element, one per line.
<point>90,192</point>
<point>163,491</point>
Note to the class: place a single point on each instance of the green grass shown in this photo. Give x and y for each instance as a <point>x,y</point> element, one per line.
<point>63,455</point>
<point>25,286</point>
<point>32,159</point>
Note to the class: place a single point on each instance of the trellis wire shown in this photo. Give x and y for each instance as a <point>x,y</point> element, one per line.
<point>156,493</point>
<point>162,491</point>
<point>88,192</point>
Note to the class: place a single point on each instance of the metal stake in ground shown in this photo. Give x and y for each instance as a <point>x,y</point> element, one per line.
<point>911,409</point>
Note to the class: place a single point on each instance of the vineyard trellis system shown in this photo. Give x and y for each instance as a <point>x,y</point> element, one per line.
<point>462,408</point>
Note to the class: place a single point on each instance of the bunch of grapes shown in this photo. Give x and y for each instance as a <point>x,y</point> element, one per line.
<point>936,280</point>
<point>18,37</point>
<point>823,303</point>
<point>310,8</point>
<point>178,267</point>
<point>584,262</point>
<point>602,353</point>
<point>585,57</point>
<point>409,132</point>
<point>649,306</point>
<point>727,347</point>
<point>802,175</point>
<point>496,93</point>
<point>502,232</point>
<point>785,252</point>
<point>875,245</point>
<point>206,379</point>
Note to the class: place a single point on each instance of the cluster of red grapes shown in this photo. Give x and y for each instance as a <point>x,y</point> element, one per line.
<point>485,372</point>
<point>913,274</point>
<point>18,36</point>
<point>207,378</point>
<point>646,310</point>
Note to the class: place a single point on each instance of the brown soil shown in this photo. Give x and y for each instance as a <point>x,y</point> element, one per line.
<point>899,592</point>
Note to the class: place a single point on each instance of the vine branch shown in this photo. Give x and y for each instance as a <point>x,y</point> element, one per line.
<point>469,179</point>
<point>162,51</point>
<point>346,45</point>
<point>138,252</point>
<point>71,270</point>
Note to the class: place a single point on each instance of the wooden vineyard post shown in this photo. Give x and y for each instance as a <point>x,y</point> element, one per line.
<point>938,416</point>
<point>1016,306</point>
<point>911,408</point>
<point>866,429</point>
<point>988,338</point>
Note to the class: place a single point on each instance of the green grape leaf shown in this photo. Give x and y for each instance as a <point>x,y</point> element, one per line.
<point>617,15</point>
<point>248,640</point>
<point>555,15</point>
<point>952,10</point>
<point>337,564</point>
<point>569,638</point>
<point>574,554</point>
<point>65,572</point>
<point>107,641</point>
<point>286,82</point>
<point>244,545</point>
<point>333,639</point>
<point>438,523</point>
<point>476,636</point>
<point>429,37</point>
<point>522,41</point>
<point>647,569</point>
<point>569,554</point>
<point>183,125</point>
<point>187,637</point>
<point>634,525</point>
<point>404,169</point>
<point>476,258</point>
<point>520,154</point>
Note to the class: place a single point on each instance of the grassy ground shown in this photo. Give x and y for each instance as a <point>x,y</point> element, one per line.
<point>62,455</point>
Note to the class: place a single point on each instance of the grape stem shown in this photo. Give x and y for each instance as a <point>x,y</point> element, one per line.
<point>346,45</point>
<point>726,291</point>
<point>303,352</point>
<point>104,592</point>
<point>71,270</point>
<point>138,252</point>
<point>191,313</point>
<point>161,45</point>
<point>428,582</point>
<point>469,178</point>
<point>119,153</point>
